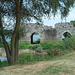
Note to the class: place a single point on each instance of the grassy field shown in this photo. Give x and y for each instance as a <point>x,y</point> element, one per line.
<point>58,60</point>
<point>64,65</point>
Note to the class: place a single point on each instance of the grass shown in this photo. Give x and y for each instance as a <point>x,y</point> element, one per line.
<point>57,70</point>
<point>63,65</point>
<point>22,45</point>
<point>45,45</point>
<point>29,57</point>
<point>49,44</point>
<point>53,48</point>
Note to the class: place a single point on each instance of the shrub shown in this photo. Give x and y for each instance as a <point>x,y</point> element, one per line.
<point>70,42</point>
<point>24,45</point>
<point>27,57</point>
<point>45,44</point>
<point>37,48</point>
<point>3,64</point>
<point>53,51</point>
<point>49,44</point>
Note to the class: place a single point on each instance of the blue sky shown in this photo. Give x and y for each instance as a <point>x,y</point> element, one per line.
<point>52,21</point>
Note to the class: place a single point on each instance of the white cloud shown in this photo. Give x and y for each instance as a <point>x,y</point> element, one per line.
<point>57,19</point>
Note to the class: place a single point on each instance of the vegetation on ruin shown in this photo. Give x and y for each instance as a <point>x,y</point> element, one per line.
<point>53,48</point>
<point>24,10</point>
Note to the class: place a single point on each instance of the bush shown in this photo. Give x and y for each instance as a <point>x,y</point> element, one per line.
<point>27,57</point>
<point>49,44</point>
<point>70,42</point>
<point>53,51</point>
<point>24,45</point>
<point>3,64</point>
<point>37,48</point>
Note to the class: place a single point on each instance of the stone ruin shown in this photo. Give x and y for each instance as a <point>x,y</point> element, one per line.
<point>46,33</point>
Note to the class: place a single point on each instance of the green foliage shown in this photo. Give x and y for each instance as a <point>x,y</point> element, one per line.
<point>1,45</point>
<point>53,51</point>
<point>50,44</point>
<point>70,42</point>
<point>73,22</point>
<point>66,34</point>
<point>29,57</point>
<point>24,45</point>
<point>7,33</point>
<point>36,42</point>
<point>3,64</point>
<point>29,10</point>
<point>37,48</point>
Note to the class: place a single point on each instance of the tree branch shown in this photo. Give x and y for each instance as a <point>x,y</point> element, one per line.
<point>21,4</point>
<point>6,46</point>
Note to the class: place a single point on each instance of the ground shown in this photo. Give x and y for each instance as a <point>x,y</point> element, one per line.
<point>64,65</point>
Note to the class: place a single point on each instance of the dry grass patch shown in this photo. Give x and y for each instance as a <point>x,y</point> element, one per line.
<point>60,66</point>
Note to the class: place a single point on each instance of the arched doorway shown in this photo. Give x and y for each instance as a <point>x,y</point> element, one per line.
<point>65,35</point>
<point>35,38</point>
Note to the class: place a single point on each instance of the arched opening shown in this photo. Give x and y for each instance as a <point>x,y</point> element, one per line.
<point>35,38</point>
<point>65,35</point>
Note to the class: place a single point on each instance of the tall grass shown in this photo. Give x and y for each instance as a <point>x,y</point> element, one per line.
<point>24,45</point>
<point>29,57</point>
<point>50,44</point>
<point>70,42</point>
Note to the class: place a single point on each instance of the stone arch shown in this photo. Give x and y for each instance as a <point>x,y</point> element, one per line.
<point>66,34</point>
<point>32,37</point>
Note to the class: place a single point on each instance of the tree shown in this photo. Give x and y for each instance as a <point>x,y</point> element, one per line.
<point>73,22</point>
<point>23,10</point>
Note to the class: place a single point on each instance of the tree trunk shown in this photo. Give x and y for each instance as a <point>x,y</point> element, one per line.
<point>12,51</point>
<point>15,36</point>
<point>6,46</point>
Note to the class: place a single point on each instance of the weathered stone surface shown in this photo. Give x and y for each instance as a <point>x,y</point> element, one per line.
<point>47,32</point>
<point>61,28</point>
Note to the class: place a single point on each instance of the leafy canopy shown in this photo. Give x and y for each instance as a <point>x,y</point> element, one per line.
<point>35,8</point>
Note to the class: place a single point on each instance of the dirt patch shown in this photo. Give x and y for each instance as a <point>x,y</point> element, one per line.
<point>30,69</point>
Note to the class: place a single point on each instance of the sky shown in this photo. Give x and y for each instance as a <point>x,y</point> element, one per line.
<point>57,19</point>
<point>52,21</point>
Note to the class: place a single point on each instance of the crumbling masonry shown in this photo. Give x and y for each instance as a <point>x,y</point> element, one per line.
<point>47,32</point>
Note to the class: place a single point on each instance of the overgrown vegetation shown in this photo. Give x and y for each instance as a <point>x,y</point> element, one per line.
<point>24,45</point>
<point>53,49</point>
<point>49,44</point>
<point>73,22</point>
<point>3,64</point>
<point>29,57</point>
<point>36,42</point>
<point>70,42</point>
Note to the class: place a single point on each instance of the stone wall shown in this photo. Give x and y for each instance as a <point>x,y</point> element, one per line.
<point>47,32</point>
<point>61,28</point>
